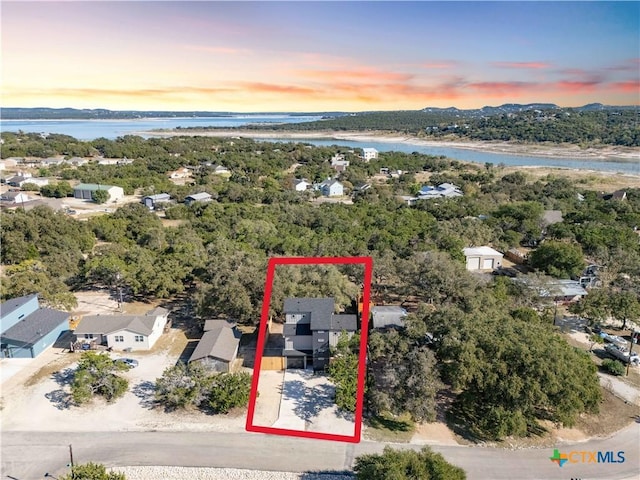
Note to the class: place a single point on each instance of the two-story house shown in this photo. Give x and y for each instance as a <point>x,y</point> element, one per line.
<point>311,328</point>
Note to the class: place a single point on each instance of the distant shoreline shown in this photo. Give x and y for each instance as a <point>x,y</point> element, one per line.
<point>604,153</point>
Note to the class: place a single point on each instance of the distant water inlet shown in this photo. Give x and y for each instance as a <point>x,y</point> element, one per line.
<point>111,129</point>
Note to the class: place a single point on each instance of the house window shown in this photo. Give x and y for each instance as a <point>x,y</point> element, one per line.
<point>88,335</point>
<point>139,338</point>
<point>118,338</point>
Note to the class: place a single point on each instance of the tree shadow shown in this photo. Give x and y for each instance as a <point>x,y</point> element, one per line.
<point>60,398</point>
<point>328,475</point>
<point>309,401</point>
<point>145,391</point>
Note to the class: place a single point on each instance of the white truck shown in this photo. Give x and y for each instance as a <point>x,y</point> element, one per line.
<point>623,355</point>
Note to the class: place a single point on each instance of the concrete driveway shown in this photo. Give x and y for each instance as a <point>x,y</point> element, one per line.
<point>308,403</point>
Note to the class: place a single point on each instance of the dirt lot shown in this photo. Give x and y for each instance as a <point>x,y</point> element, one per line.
<point>36,401</point>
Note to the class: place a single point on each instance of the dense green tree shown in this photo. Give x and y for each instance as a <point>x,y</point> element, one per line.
<point>406,465</point>
<point>32,276</point>
<point>558,259</point>
<point>100,196</point>
<point>183,385</point>
<point>510,372</point>
<point>402,375</point>
<point>96,375</point>
<point>228,391</point>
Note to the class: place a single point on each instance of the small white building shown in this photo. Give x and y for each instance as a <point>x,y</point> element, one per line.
<point>15,198</point>
<point>331,188</point>
<point>301,185</point>
<point>482,259</point>
<point>369,154</point>
<point>197,197</point>
<point>41,182</point>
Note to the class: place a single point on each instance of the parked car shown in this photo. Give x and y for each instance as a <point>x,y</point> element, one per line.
<point>130,362</point>
<point>622,355</point>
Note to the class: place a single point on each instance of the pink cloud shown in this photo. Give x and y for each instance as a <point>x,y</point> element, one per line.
<point>577,86</point>
<point>439,65</point>
<point>630,86</point>
<point>502,89</point>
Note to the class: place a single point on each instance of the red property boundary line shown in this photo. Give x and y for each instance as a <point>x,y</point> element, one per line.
<point>366,293</point>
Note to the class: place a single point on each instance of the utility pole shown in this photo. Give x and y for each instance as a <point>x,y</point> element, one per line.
<point>71,459</point>
<point>633,334</point>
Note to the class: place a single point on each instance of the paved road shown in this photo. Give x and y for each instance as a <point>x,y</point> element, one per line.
<point>28,455</point>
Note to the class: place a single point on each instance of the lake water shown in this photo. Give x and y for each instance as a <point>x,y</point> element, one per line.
<point>91,129</point>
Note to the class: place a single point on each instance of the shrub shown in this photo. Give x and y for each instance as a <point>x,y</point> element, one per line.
<point>613,367</point>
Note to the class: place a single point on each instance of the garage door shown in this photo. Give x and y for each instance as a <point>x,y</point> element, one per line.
<point>487,264</point>
<point>473,263</point>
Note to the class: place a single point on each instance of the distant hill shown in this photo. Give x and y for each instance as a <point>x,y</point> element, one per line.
<point>507,108</point>
<point>42,113</point>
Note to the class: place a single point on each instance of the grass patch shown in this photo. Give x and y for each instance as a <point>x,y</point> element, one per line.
<point>49,369</point>
<point>614,415</point>
<point>387,428</point>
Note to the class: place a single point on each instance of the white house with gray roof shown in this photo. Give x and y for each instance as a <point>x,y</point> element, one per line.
<point>331,188</point>
<point>135,332</point>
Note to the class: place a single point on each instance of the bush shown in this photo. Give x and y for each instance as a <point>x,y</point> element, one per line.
<point>406,465</point>
<point>92,471</point>
<point>230,390</point>
<point>613,367</point>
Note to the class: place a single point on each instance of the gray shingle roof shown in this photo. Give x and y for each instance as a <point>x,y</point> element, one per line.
<point>158,312</point>
<point>220,343</point>
<point>344,322</point>
<point>106,324</point>
<point>199,196</point>
<point>320,309</point>
<point>13,304</point>
<point>30,330</point>
<point>217,323</point>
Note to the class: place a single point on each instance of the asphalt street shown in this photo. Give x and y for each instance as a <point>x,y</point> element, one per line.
<point>29,455</point>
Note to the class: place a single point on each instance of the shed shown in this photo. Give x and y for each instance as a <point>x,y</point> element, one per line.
<point>197,197</point>
<point>150,201</point>
<point>218,348</point>
<point>385,316</point>
<point>482,259</point>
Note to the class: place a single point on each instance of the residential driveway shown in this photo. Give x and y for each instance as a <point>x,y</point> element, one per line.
<point>619,388</point>
<point>308,403</point>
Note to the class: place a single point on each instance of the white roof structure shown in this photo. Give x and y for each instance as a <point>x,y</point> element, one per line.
<point>480,251</point>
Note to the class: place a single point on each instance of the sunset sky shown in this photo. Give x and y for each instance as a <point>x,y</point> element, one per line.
<point>318,56</point>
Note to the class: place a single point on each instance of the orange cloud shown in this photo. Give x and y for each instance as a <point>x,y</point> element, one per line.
<point>275,88</point>
<point>526,65</point>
